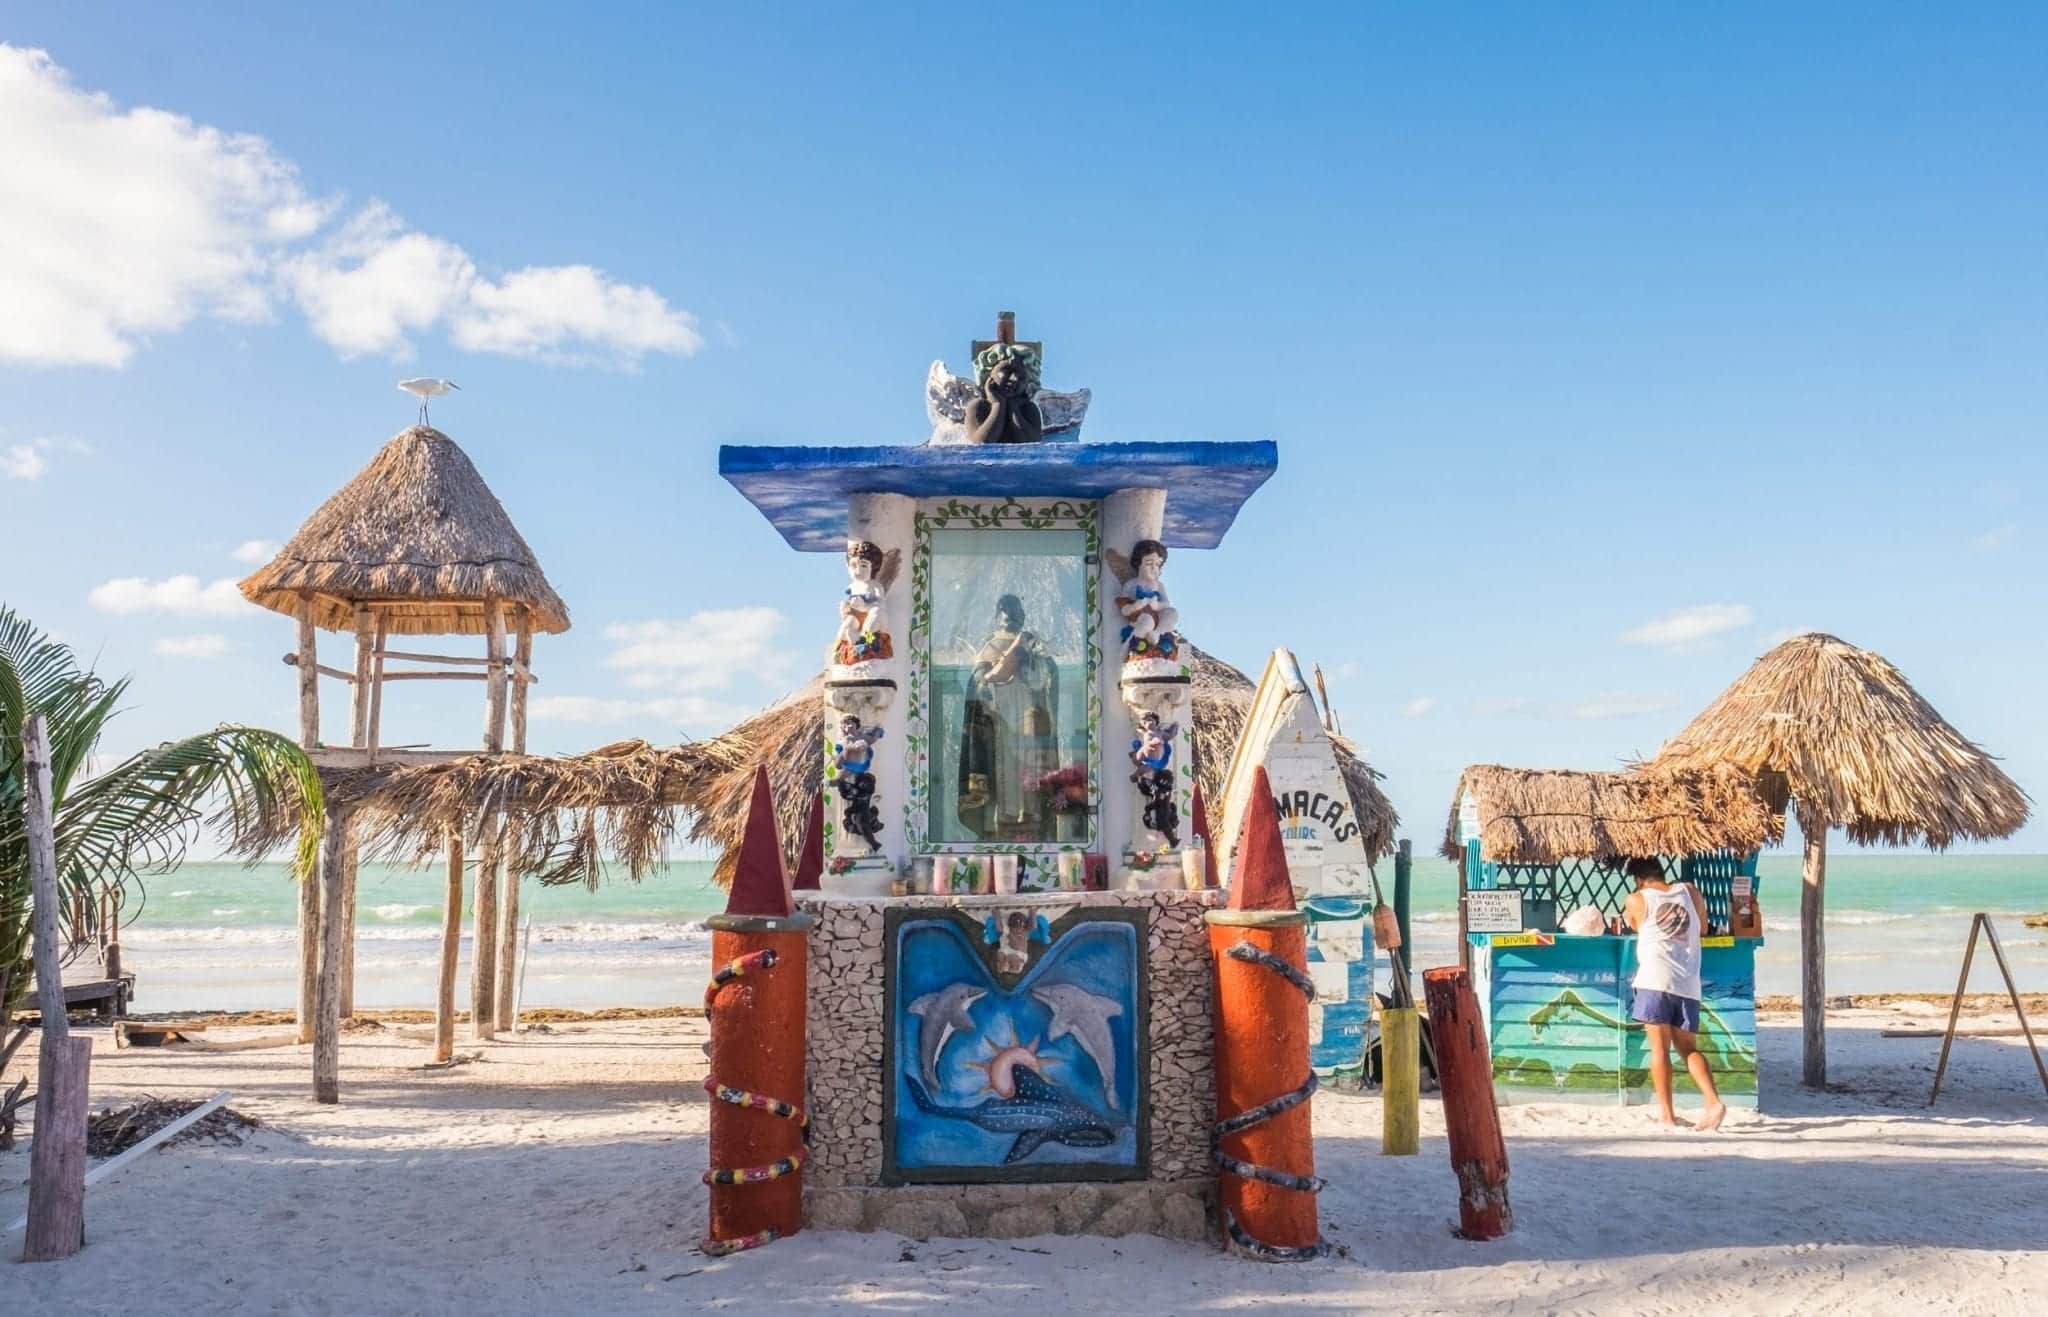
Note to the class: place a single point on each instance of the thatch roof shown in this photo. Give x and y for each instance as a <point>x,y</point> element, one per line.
<point>1545,816</point>
<point>1838,730</point>
<point>625,802</point>
<point>419,533</point>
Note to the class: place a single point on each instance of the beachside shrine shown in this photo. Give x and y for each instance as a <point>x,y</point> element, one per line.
<point>1011,978</point>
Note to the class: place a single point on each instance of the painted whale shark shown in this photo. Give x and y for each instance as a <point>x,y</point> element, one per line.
<point>1037,1114</point>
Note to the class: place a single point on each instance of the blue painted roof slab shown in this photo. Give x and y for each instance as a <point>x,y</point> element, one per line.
<point>803,491</point>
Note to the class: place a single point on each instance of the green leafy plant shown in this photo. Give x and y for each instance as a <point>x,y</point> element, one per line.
<point>135,818</point>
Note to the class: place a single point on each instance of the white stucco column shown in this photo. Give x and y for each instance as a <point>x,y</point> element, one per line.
<point>872,690</point>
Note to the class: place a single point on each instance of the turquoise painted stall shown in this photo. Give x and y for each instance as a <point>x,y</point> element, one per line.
<point>1557,1003</point>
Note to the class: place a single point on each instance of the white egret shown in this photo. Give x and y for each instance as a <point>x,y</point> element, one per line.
<point>424,388</point>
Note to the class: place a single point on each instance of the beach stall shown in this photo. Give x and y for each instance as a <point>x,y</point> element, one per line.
<point>1010,1020</point>
<point>1543,856</point>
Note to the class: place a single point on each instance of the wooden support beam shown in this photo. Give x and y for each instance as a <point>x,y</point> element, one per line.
<point>494,695</point>
<point>351,856</point>
<point>436,676</point>
<point>483,936</point>
<point>309,951</point>
<point>509,954</point>
<point>292,661</point>
<point>468,662</point>
<point>308,661</point>
<point>327,995</point>
<point>56,1172</point>
<point>451,942</point>
<point>359,708</point>
<point>376,687</point>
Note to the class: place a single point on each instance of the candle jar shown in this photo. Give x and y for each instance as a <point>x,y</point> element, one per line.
<point>1191,868</point>
<point>1005,874</point>
<point>942,875</point>
<point>1070,871</point>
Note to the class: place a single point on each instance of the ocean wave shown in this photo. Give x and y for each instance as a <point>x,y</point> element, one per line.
<point>590,932</point>
<point>397,913</point>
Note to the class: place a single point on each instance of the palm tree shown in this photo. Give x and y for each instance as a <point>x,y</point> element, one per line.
<point>135,818</point>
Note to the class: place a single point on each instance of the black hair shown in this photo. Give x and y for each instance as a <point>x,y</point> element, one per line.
<point>1646,866</point>
<point>867,551</point>
<point>1143,547</point>
<point>1012,609</point>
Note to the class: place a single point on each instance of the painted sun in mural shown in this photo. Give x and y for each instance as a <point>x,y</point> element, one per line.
<point>1001,1064</point>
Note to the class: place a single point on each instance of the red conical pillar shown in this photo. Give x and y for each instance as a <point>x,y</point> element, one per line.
<point>1200,827</point>
<point>810,859</point>
<point>1265,1148</point>
<point>756,1008</point>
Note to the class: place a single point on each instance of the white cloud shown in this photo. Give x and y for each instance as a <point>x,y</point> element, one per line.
<point>370,284</point>
<point>1995,538</point>
<point>1688,628</point>
<point>118,224</point>
<point>1619,704</point>
<point>25,461</point>
<point>193,647</point>
<point>703,651</point>
<point>572,314</point>
<point>1500,707</point>
<point>181,596</point>
<point>255,552</point>
<point>1419,707</point>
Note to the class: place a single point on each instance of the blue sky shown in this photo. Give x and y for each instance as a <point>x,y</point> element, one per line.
<point>1572,325</point>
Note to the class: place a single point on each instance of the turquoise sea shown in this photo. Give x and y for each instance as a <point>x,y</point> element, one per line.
<point>221,936</point>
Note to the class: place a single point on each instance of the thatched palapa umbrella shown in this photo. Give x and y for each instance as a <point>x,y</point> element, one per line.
<point>1837,731</point>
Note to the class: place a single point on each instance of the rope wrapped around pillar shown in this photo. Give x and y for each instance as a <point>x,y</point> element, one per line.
<point>755,1005</point>
<point>1265,1144</point>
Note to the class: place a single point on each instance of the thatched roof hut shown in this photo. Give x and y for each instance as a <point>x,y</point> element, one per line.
<point>418,534</point>
<point>1839,731</point>
<point>1547,816</point>
<point>625,802</point>
<point>1836,732</point>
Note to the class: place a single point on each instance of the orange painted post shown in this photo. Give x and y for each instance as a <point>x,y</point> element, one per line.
<point>1464,1068</point>
<point>1265,1145</point>
<point>755,1003</point>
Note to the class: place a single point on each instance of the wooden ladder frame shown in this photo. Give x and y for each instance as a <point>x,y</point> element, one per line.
<point>1983,921</point>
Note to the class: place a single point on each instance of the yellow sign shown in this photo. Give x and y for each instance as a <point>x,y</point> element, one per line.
<point>1524,940</point>
<point>1717,941</point>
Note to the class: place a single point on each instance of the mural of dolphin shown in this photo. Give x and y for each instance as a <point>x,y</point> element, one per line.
<point>941,1015</point>
<point>1079,1012</point>
<point>1038,1113</point>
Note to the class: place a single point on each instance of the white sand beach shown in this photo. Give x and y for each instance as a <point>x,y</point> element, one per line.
<point>559,1173</point>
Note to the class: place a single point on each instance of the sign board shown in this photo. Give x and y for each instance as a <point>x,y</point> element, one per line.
<point>1495,911</point>
<point>1525,939</point>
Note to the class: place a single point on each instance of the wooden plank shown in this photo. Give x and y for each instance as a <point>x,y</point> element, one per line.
<point>308,660</point>
<point>292,661</point>
<point>433,658</point>
<point>327,995</point>
<point>436,676</point>
<point>451,942</point>
<point>339,758</point>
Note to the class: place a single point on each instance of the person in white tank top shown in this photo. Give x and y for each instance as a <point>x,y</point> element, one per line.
<point>1668,921</point>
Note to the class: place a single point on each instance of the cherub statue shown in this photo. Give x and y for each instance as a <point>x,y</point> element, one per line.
<point>1152,758</point>
<point>853,755</point>
<point>872,572</point>
<point>1151,622</point>
<point>1005,412</point>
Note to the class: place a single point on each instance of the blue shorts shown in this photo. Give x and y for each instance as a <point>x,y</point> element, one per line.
<point>1654,1007</point>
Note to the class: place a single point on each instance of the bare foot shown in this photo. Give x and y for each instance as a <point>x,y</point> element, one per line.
<point>1673,1123</point>
<point>1710,1120</point>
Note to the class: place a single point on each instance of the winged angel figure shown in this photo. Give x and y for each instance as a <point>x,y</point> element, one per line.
<point>948,396</point>
<point>871,572</point>
<point>1151,622</point>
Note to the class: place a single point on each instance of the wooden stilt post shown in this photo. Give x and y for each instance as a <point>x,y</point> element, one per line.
<point>309,893</point>
<point>1464,1063</point>
<point>1813,951</point>
<point>376,721</point>
<point>359,736</point>
<point>483,995</point>
<point>327,996</point>
<point>56,1169</point>
<point>451,943</point>
<point>508,896</point>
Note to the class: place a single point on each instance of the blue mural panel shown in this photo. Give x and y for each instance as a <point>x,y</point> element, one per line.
<point>1036,1076</point>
